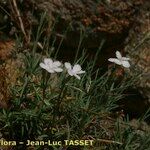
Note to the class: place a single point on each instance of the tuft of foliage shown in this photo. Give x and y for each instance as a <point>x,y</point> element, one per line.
<point>57,107</point>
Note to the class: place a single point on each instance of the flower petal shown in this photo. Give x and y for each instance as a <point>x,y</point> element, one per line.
<point>115,60</point>
<point>80,72</point>
<point>68,65</point>
<point>58,69</point>
<point>125,58</point>
<point>48,61</point>
<point>77,76</point>
<point>50,70</point>
<point>118,55</point>
<point>57,63</point>
<point>70,72</point>
<point>42,65</point>
<point>76,68</point>
<point>126,64</point>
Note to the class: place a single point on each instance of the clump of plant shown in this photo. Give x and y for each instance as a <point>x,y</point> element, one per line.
<point>55,100</point>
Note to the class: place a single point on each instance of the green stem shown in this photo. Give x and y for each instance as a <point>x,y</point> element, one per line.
<point>62,93</point>
<point>60,98</point>
<point>45,78</point>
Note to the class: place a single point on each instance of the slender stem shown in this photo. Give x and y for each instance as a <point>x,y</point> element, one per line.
<point>43,84</point>
<point>62,93</point>
<point>45,78</point>
<point>82,35</point>
<point>60,98</point>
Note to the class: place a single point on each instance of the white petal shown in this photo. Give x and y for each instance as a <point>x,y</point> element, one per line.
<point>126,64</point>
<point>115,60</point>
<point>57,63</point>
<point>76,68</point>
<point>58,69</point>
<point>67,65</point>
<point>80,72</point>
<point>48,61</point>
<point>42,65</point>
<point>50,70</point>
<point>118,55</point>
<point>78,77</point>
<point>70,72</point>
<point>125,58</point>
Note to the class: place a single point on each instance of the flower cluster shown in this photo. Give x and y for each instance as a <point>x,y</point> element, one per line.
<point>75,70</point>
<point>56,66</point>
<point>123,61</point>
<point>51,66</point>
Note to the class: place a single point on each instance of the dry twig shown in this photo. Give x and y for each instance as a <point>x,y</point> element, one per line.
<point>19,18</point>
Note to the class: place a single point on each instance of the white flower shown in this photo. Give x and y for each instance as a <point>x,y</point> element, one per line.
<point>74,70</point>
<point>124,61</point>
<point>51,66</point>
